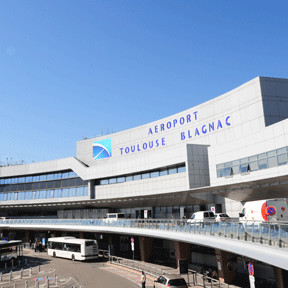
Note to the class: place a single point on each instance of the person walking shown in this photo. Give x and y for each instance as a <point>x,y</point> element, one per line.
<point>143,279</point>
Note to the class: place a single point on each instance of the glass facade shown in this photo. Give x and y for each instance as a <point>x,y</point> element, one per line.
<point>144,175</point>
<point>256,162</point>
<point>33,187</point>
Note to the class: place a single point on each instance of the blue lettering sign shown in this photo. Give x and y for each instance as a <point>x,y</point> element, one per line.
<point>227,122</point>
<point>219,124</point>
<point>183,136</point>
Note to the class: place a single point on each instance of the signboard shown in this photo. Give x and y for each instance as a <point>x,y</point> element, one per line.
<point>251,269</point>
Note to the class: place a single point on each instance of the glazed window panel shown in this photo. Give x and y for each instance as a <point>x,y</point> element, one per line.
<point>43,185</point>
<point>104,182</point>
<point>254,165</point>
<point>43,178</point>
<point>65,192</point>
<point>145,175</point>
<point>28,195</point>
<point>272,162</point>
<point>79,182</point>
<point>172,171</point>
<point>155,174</point>
<point>282,159</point>
<point>50,194</point>
<point>85,191</point>
<point>129,178</point>
<point>137,177</point>
<point>262,164</point>
<point>72,192</point>
<point>181,169</point>
<point>281,150</point>
<point>112,180</point>
<point>43,194</point>
<point>120,179</point>
<point>65,183</point>
<point>236,169</point>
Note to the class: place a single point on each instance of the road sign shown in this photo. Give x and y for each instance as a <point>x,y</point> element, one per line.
<point>251,269</point>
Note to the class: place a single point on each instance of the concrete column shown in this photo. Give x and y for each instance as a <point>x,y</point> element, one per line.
<point>227,269</point>
<point>27,236</point>
<point>182,252</point>
<point>145,245</point>
<point>91,189</point>
<point>279,277</point>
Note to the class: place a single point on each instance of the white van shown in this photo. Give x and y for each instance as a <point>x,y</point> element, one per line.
<point>202,216</point>
<point>111,217</point>
<point>269,210</point>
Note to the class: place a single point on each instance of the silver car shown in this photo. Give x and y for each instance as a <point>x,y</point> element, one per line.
<point>170,280</point>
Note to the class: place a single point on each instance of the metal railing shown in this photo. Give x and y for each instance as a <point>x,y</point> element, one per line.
<point>273,234</point>
<point>192,277</point>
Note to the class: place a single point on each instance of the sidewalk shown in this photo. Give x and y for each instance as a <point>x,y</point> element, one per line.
<point>134,274</point>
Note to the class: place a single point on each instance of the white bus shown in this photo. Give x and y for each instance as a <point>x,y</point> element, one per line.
<point>10,251</point>
<point>73,248</point>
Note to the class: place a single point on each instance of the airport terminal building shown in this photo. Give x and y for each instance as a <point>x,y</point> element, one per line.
<point>216,155</point>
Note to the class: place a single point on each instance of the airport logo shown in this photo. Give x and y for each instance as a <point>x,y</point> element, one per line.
<point>102,149</point>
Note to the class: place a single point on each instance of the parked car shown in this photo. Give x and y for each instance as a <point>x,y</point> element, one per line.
<point>202,216</point>
<point>222,217</point>
<point>170,280</point>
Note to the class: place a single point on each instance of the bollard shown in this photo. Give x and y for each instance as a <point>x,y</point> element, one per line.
<point>56,280</point>
<point>30,272</point>
<point>21,273</point>
<point>47,283</point>
<point>10,276</point>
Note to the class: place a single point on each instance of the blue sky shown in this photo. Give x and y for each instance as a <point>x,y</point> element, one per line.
<point>72,69</point>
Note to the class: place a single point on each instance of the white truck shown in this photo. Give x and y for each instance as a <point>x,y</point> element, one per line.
<point>269,210</point>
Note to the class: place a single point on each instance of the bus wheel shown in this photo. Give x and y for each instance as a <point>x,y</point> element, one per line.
<point>54,254</point>
<point>73,257</point>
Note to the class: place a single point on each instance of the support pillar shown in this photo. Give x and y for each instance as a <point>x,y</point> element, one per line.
<point>27,236</point>
<point>227,268</point>
<point>91,189</point>
<point>182,252</point>
<point>145,244</point>
<point>279,277</point>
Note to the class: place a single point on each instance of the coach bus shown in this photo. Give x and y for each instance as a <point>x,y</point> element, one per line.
<point>10,251</point>
<point>73,248</point>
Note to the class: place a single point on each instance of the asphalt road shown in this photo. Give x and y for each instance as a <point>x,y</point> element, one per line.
<point>66,273</point>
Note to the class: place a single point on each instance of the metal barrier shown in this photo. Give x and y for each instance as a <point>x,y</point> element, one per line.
<point>193,277</point>
<point>273,234</point>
